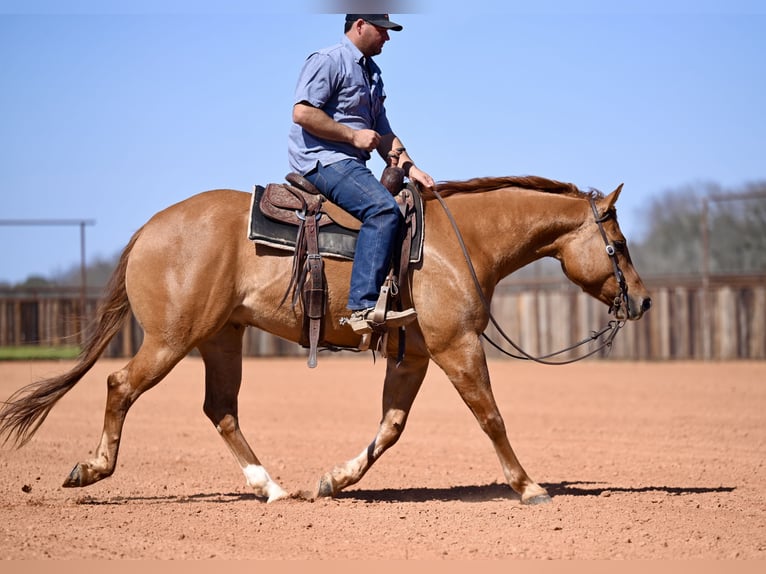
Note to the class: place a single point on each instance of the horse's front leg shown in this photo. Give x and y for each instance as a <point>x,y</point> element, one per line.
<point>465,364</point>
<point>399,391</point>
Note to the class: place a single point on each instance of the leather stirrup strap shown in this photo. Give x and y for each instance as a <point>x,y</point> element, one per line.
<point>404,260</point>
<point>313,290</point>
<point>379,312</point>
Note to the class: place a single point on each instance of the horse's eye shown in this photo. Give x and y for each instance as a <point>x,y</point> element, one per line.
<point>619,246</point>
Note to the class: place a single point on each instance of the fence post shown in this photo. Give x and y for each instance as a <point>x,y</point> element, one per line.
<point>757,347</point>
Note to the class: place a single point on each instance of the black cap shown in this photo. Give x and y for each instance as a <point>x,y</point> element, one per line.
<point>380,20</point>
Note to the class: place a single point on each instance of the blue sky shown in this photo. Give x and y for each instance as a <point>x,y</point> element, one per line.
<point>112,111</point>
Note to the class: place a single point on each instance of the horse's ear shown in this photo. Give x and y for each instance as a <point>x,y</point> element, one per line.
<point>611,199</point>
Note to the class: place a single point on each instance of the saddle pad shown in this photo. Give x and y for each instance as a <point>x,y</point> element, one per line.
<point>334,240</point>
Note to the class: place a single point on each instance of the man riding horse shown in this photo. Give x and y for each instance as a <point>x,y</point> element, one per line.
<point>339,118</point>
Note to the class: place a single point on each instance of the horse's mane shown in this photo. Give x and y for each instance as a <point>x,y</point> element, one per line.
<point>532,182</point>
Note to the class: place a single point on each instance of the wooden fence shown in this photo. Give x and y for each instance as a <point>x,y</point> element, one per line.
<point>725,320</point>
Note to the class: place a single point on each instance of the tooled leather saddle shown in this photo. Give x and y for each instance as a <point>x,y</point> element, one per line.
<point>294,216</point>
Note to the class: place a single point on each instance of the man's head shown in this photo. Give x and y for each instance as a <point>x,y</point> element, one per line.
<point>380,20</point>
<point>369,32</point>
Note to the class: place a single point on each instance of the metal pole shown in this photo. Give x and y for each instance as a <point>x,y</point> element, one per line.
<point>705,261</point>
<point>59,222</point>
<point>83,282</point>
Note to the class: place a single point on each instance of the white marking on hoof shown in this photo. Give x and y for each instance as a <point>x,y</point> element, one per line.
<point>260,481</point>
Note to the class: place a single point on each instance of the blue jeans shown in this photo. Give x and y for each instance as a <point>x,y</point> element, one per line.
<point>351,185</point>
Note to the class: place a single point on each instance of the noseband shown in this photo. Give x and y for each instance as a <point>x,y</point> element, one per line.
<point>609,332</point>
<point>622,296</point>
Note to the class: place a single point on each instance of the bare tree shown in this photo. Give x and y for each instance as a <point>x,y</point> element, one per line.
<point>736,227</point>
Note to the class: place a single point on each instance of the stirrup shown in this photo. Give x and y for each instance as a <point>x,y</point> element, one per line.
<point>365,321</point>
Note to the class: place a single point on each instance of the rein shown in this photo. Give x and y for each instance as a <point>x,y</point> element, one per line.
<point>611,328</point>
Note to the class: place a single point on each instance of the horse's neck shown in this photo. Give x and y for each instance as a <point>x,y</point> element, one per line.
<point>518,227</point>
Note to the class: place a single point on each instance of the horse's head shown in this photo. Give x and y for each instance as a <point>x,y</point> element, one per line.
<point>595,256</point>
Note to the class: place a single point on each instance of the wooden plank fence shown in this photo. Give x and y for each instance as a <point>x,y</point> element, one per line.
<point>726,320</point>
<point>687,322</point>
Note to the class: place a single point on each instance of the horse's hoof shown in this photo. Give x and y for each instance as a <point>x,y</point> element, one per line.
<point>82,475</point>
<point>325,489</point>
<point>75,478</point>
<point>538,499</point>
<point>276,493</point>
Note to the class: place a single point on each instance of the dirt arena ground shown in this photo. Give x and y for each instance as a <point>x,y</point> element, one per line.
<point>643,460</point>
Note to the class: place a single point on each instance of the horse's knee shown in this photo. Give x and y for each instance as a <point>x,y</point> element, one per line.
<point>493,425</point>
<point>224,424</point>
<point>220,414</point>
<point>221,410</point>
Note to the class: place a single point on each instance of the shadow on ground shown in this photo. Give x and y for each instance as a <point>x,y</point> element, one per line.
<point>470,493</point>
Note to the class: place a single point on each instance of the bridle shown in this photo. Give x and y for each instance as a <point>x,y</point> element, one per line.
<point>622,297</point>
<point>608,333</point>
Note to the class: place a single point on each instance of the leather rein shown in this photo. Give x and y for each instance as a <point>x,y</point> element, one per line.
<point>608,333</point>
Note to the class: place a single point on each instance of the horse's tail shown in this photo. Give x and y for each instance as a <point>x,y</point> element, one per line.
<point>24,411</point>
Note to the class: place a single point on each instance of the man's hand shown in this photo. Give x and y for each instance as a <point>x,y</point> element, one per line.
<point>418,175</point>
<point>318,123</point>
<point>367,140</point>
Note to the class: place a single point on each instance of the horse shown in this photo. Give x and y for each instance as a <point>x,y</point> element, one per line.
<point>193,279</point>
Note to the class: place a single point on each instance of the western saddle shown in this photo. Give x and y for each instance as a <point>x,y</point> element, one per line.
<point>299,203</point>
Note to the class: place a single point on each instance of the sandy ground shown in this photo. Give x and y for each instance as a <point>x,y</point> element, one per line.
<point>643,460</point>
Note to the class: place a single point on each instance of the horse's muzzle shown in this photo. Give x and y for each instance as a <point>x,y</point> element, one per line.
<point>637,307</point>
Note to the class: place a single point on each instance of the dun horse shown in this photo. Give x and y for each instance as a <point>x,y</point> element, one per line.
<point>194,280</point>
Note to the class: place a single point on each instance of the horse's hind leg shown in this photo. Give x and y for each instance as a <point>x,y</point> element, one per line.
<point>400,389</point>
<point>222,355</point>
<point>466,366</point>
<point>149,366</point>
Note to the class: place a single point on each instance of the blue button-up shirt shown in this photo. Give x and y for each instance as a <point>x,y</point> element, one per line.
<point>336,80</point>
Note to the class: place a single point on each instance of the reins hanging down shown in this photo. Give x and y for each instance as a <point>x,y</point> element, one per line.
<point>610,330</point>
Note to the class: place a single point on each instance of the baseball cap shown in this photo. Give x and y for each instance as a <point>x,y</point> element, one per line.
<point>380,20</point>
